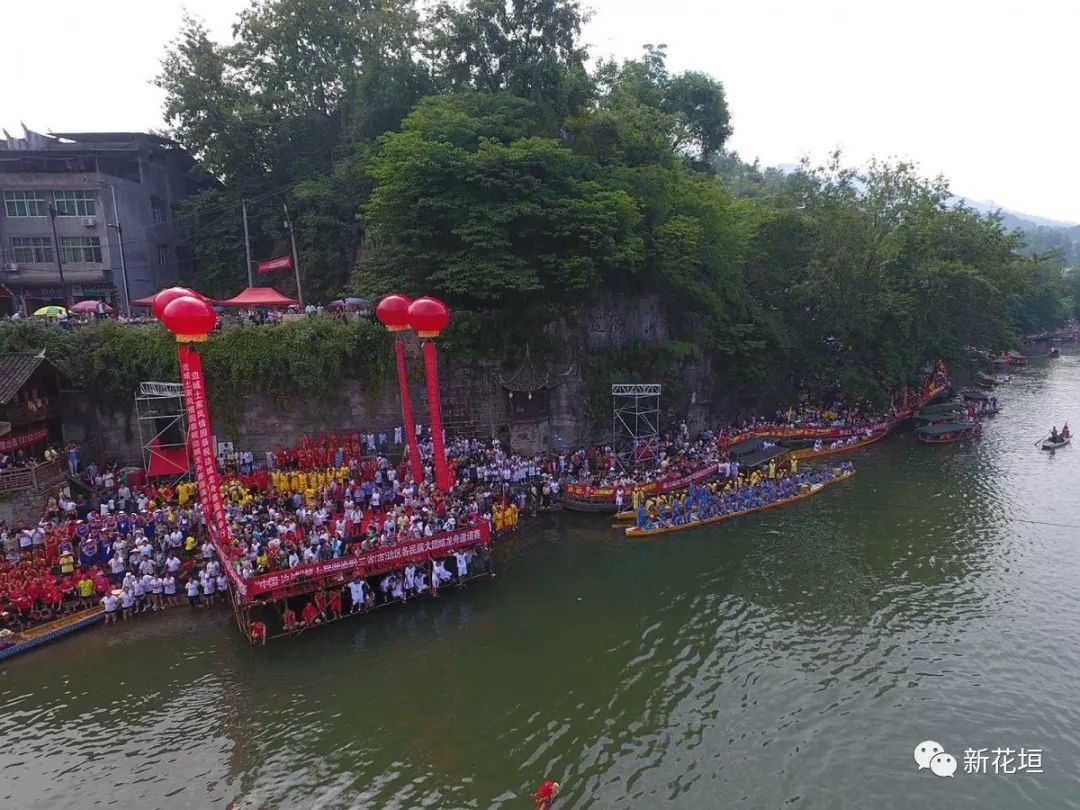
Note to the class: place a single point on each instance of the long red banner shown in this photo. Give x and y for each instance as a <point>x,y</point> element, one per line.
<point>200,441</point>
<point>18,440</point>
<point>360,564</point>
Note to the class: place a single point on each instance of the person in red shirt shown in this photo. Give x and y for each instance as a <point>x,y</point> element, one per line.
<point>308,615</point>
<point>289,618</point>
<point>335,604</point>
<point>101,584</point>
<point>258,633</point>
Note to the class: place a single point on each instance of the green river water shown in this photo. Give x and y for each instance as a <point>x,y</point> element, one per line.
<point>794,658</point>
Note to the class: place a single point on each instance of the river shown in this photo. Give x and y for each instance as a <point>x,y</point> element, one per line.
<point>794,658</point>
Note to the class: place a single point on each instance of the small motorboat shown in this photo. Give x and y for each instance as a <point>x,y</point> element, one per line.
<point>1054,352</point>
<point>1047,444</point>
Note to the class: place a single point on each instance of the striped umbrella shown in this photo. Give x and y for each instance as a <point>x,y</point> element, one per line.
<point>51,311</point>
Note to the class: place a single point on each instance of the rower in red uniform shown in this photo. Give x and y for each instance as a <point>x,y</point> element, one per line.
<point>546,794</point>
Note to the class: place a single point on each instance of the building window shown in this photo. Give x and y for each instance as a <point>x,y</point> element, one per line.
<point>84,249</point>
<point>25,203</point>
<point>163,255</point>
<point>157,209</point>
<point>75,203</point>
<point>32,249</point>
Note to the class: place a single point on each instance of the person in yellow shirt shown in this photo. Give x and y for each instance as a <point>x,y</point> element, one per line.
<point>794,465</point>
<point>189,544</point>
<point>512,508</point>
<point>497,518</point>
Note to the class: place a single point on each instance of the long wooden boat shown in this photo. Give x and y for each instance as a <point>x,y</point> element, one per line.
<point>49,631</point>
<point>946,432</point>
<point>634,531</point>
<point>810,453</point>
<point>580,498</point>
<point>952,406</point>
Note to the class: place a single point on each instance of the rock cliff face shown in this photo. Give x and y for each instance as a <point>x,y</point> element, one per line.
<point>473,400</point>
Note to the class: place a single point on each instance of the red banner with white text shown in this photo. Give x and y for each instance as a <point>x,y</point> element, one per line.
<point>374,561</point>
<point>17,440</point>
<point>270,265</point>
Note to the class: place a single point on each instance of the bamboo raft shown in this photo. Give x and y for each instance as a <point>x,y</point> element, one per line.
<point>634,531</point>
<point>43,633</point>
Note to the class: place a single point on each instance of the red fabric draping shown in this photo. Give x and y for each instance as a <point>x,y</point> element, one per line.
<point>431,371</point>
<point>407,414</point>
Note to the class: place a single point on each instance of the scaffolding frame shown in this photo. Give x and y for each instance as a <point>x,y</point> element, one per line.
<point>161,401</point>
<point>635,424</point>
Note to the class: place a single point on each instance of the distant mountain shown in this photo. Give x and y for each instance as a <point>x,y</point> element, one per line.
<point>1015,219</point>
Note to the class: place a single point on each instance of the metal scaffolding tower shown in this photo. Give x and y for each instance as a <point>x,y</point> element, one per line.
<point>159,409</point>
<point>635,424</point>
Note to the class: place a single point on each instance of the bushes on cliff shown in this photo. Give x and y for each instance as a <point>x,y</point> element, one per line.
<point>306,357</point>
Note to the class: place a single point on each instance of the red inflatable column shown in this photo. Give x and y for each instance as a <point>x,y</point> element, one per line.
<point>431,372</point>
<point>191,319</point>
<point>393,312</point>
<point>407,415</point>
<point>429,317</point>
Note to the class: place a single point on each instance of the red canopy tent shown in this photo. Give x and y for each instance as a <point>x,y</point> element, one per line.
<point>259,297</point>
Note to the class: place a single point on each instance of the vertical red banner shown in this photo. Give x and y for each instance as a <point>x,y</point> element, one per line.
<point>407,415</point>
<point>431,371</point>
<point>200,440</point>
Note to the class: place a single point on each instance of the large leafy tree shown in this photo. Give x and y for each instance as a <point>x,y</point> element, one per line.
<point>470,202</point>
<point>278,115</point>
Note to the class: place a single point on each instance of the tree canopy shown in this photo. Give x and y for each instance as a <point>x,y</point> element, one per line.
<point>467,150</point>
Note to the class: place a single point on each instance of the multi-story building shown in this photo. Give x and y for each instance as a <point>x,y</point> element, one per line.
<point>62,197</point>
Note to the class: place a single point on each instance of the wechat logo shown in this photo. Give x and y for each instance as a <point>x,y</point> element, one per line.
<point>930,754</point>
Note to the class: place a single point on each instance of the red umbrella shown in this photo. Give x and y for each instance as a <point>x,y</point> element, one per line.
<point>88,306</point>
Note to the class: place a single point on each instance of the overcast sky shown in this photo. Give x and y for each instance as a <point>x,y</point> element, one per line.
<point>980,91</point>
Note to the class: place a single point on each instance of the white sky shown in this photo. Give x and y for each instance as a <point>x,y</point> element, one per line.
<point>977,89</point>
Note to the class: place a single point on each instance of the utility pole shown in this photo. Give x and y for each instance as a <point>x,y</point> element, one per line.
<point>123,259</point>
<point>295,261</point>
<point>247,245</point>
<point>59,262</point>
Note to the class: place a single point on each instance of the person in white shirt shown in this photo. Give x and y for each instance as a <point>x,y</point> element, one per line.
<point>397,590</point>
<point>157,593</point>
<point>139,591</point>
<point>192,589</point>
<point>462,560</point>
<point>168,587</point>
<point>410,577</point>
<point>110,604</point>
<point>208,550</point>
<point>127,602</point>
<point>209,586</point>
<point>356,595</point>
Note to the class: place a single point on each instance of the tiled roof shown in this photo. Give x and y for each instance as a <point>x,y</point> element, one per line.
<point>15,369</point>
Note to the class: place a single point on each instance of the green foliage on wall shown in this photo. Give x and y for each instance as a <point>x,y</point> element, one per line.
<point>307,357</point>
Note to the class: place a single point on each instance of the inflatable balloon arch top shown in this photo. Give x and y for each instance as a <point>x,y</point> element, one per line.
<point>428,317</point>
<point>190,316</point>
